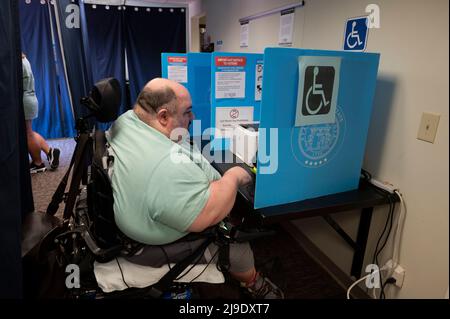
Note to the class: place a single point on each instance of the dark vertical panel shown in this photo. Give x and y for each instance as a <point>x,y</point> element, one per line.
<point>78,77</point>
<point>15,184</point>
<point>148,34</point>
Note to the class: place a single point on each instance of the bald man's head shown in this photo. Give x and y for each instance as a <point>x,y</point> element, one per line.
<point>156,94</point>
<point>165,105</point>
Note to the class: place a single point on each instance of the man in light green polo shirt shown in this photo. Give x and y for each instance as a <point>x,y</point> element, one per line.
<point>163,190</point>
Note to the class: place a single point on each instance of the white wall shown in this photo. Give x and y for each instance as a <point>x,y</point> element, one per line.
<point>413,78</point>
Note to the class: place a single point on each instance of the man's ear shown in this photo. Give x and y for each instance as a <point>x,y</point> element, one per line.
<point>163,117</point>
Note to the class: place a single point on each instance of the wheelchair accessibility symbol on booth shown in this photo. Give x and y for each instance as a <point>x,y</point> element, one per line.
<point>318,87</point>
<point>355,36</point>
<point>316,101</point>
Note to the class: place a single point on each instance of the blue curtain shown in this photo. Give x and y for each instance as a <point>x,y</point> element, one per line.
<point>148,34</point>
<point>95,53</point>
<point>55,118</point>
<point>15,186</point>
<point>106,47</point>
<point>79,78</point>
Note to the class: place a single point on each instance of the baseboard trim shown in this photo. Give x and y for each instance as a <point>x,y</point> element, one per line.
<point>323,260</point>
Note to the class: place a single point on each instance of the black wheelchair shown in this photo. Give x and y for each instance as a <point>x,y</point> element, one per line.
<point>88,235</point>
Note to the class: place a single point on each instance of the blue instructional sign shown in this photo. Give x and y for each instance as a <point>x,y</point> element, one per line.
<point>236,91</point>
<point>356,32</point>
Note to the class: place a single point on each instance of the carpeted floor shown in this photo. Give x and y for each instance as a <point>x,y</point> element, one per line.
<point>44,184</point>
<point>287,264</point>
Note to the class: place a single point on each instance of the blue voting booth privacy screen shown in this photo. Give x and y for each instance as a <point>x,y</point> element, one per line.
<point>320,103</point>
<point>236,85</point>
<point>193,70</point>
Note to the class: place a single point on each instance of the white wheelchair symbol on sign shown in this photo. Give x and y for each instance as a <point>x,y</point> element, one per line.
<point>355,36</point>
<point>316,89</point>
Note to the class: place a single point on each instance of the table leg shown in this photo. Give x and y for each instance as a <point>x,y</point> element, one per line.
<point>361,241</point>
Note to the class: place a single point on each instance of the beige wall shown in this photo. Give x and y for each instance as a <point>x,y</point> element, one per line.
<point>413,78</point>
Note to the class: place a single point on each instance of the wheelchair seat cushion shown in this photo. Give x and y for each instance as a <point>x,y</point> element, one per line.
<point>110,277</point>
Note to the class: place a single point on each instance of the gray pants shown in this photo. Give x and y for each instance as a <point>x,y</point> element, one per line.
<point>241,255</point>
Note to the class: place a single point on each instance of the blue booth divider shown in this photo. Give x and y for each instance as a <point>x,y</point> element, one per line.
<point>315,114</point>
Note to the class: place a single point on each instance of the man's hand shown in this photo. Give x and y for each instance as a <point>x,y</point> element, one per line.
<point>242,176</point>
<point>221,198</point>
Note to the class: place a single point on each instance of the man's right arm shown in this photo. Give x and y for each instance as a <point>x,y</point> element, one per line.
<point>221,198</point>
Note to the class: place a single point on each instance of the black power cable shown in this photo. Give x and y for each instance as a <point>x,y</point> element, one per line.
<point>389,221</point>
<point>121,272</point>
<point>209,262</point>
<point>192,266</point>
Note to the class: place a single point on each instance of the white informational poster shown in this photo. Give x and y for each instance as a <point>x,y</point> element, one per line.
<point>286,27</point>
<point>177,73</point>
<point>258,81</point>
<point>227,117</point>
<point>230,85</point>
<point>244,35</point>
<point>219,45</point>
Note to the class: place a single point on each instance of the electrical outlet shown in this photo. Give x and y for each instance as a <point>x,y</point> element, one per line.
<point>428,127</point>
<point>399,275</point>
<point>395,271</point>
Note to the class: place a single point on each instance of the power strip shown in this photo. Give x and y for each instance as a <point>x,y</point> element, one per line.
<point>383,185</point>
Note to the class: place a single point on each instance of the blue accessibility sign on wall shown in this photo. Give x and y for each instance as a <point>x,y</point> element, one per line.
<point>356,32</point>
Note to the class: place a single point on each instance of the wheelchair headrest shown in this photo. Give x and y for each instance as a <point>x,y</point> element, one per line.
<point>104,100</point>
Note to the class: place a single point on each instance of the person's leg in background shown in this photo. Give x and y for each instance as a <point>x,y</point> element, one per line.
<point>52,153</point>
<point>36,144</point>
<point>42,143</point>
<point>34,149</point>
